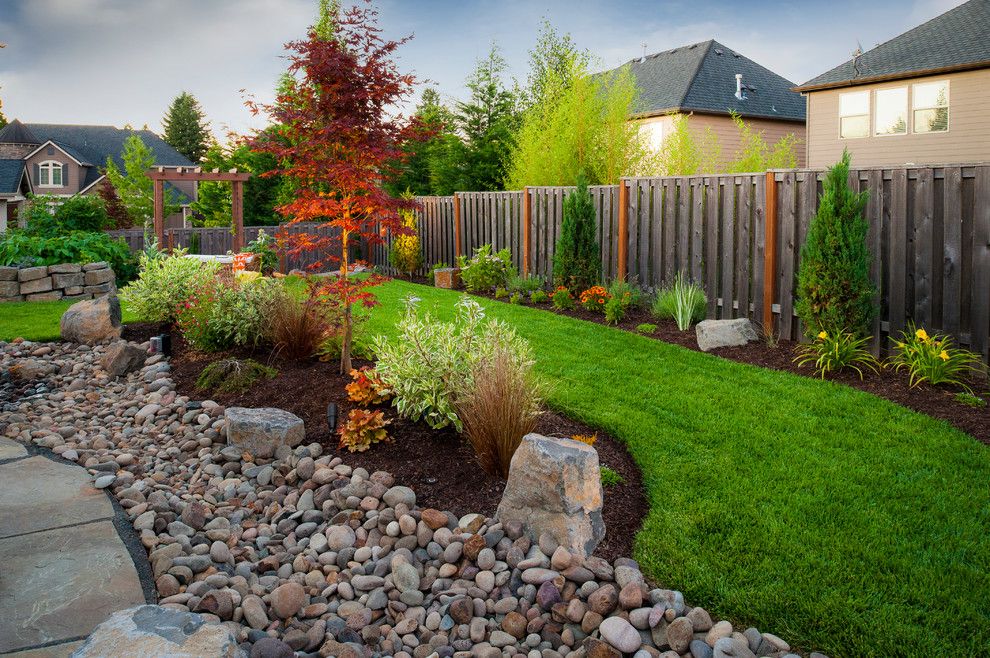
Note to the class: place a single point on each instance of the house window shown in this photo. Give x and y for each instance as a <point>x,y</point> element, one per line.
<point>930,103</point>
<point>890,116</point>
<point>854,114</point>
<point>50,174</point>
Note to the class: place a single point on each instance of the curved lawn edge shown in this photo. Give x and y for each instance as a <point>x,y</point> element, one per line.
<point>840,521</point>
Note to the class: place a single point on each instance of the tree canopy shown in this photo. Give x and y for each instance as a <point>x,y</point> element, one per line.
<point>186,127</point>
<point>133,187</point>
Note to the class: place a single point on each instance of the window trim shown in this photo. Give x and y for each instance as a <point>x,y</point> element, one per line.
<point>907,110</point>
<point>868,115</point>
<point>50,166</point>
<point>948,104</point>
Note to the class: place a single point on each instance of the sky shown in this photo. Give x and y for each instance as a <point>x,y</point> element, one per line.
<point>122,61</point>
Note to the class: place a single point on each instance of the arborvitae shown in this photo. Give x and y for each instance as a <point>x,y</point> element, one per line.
<point>576,260</point>
<point>834,288</point>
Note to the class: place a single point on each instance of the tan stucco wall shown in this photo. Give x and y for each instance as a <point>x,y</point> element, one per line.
<point>727,133</point>
<point>75,172</point>
<point>967,140</point>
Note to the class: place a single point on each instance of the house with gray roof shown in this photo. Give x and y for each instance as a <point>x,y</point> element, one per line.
<point>64,160</point>
<point>705,82</point>
<point>919,98</point>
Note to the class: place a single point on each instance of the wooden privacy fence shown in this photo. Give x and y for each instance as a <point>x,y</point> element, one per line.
<point>740,237</point>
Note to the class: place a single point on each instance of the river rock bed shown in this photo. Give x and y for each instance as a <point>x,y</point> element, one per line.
<point>307,556</point>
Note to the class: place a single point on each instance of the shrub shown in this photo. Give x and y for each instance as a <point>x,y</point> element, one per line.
<point>538,297</point>
<point>576,261</point>
<point>18,248</point>
<point>297,328</point>
<point>934,359</point>
<point>501,293</point>
<point>595,298</point>
<point>232,375</point>
<point>363,428</point>
<point>832,352</point>
<point>525,284</point>
<point>487,270</point>
<point>498,405</point>
<point>51,216</point>
<point>682,301</point>
<point>428,359</point>
<point>610,478</point>
<point>165,283</point>
<point>834,291</point>
<point>646,328</point>
<point>263,247</point>
<point>367,387</point>
<point>405,254</point>
<point>515,298</point>
<point>221,314</point>
<point>562,299</point>
<point>622,296</point>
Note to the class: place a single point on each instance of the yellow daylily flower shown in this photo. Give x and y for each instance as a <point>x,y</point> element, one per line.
<point>944,355</point>
<point>823,335</point>
<point>921,334</point>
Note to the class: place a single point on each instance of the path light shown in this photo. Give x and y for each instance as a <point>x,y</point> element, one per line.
<point>162,344</point>
<point>332,417</point>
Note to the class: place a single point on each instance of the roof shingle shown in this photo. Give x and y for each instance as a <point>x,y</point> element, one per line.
<point>10,175</point>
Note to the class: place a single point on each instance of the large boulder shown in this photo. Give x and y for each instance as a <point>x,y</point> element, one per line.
<point>264,432</point>
<point>122,357</point>
<point>92,321</point>
<point>555,487</point>
<point>713,334</point>
<point>151,630</point>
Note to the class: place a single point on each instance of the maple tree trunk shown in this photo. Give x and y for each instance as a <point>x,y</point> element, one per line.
<point>345,347</point>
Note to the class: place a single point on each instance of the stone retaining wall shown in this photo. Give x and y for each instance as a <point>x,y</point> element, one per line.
<point>45,283</point>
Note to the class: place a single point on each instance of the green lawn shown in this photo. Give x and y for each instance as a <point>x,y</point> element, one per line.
<point>835,519</point>
<point>37,320</point>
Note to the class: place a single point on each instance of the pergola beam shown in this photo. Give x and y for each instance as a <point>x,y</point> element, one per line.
<point>237,179</point>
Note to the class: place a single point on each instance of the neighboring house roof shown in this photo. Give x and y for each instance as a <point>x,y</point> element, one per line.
<point>16,132</point>
<point>701,77</point>
<point>955,40</point>
<point>11,172</point>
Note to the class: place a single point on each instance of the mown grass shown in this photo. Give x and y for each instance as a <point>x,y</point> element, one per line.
<point>835,519</point>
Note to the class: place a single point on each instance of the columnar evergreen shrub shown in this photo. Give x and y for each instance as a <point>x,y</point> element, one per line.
<point>576,261</point>
<point>834,289</point>
<point>406,256</point>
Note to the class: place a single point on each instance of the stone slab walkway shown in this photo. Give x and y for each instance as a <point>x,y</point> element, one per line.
<point>65,567</point>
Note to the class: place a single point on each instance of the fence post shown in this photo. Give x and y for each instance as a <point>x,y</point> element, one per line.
<point>770,250</point>
<point>159,216</point>
<point>457,228</point>
<point>526,237</point>
<point>623,238</point>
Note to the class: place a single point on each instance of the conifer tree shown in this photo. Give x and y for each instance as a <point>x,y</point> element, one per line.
<point>577,264</point>
<point>834,288</point>
<point>186,127</point>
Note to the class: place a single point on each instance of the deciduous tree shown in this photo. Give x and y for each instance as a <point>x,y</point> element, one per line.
<point>135,189</point>
<point>338,135</point>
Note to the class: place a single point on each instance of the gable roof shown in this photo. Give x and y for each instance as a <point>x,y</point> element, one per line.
<point>955,40</point>
<point>701,77</point>
<point>11,172</point>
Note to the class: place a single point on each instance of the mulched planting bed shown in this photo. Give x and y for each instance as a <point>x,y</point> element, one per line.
<point>437,464</point>
<point>934,401</point>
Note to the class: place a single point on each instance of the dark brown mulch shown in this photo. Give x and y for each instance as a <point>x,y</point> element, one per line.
<point>437,464</point>
<point>935,401</point>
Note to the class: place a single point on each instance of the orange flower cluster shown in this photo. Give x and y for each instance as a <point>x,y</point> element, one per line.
<point>594,298</point>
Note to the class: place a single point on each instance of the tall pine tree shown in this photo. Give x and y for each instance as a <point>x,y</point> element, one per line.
<point>431,165</point>
<point>186,127</point>
<point>834,288</point>
<point>577,264</point>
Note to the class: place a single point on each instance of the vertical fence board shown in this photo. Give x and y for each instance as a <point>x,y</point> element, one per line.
<point>710,235</point>
<point>744,218</point>
<point>730,219</point>
<point>980,304</point>
<point>924,210</point>
<point>952,249</point>
<point>669,228</point>
<point>697,228</point>
<point>874,217</point>
<point>788,236</point>
<point>897,220</point>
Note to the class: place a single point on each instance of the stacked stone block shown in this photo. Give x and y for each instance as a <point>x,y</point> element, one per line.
<point>50,282</point>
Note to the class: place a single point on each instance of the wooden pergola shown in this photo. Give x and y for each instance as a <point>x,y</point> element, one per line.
<point>237,179</point>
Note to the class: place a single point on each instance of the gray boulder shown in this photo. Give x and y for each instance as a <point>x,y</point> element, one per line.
<point>713,334</point>
<point>151,630</point>
<point>122,357</point>
<point>265,432</point>
<point>92,321</point>
<point>555,487</point>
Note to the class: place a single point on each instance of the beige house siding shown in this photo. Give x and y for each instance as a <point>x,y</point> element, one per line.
<point>725,130</point>
<point>75,172</point>
<point>967,139</point>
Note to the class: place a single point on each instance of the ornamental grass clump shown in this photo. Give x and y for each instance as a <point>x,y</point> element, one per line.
<point>429,360</point>
<point>681,301</point>
<point>297,328</point>
<point>935,359</point>
<point>834,351</point>
<point>497,407</point>
<point>834,290</point>
<point>233,375</point>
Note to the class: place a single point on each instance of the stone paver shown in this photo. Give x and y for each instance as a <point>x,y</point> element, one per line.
<point>59,584</point>
<point>11,449</point>
<point>38,494</point>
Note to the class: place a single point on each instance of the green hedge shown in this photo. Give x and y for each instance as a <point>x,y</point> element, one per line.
<point>20,249</point>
